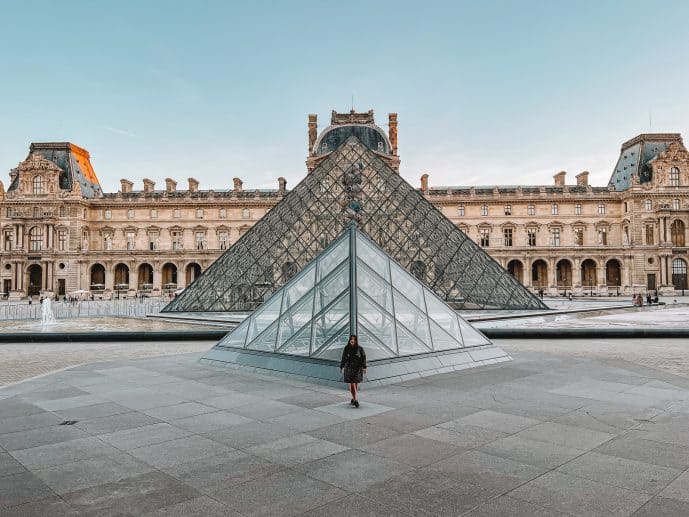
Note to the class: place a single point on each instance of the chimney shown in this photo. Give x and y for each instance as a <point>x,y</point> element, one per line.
<point>560,179</point>
<point>282,183</point>
<point>424,184</point>
<point>237,184</point>
<point>193,184</point>
<point>126,185</point>
<point>149,185</point>
<point>392,131</point>
<point>170,185</point>
<point>313,131</point>
<point>583,179</point>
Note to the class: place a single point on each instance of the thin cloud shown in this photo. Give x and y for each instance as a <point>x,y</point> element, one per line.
<point>118,131</point>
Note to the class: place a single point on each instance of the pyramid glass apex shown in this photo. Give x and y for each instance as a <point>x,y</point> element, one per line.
<point>394,314</point>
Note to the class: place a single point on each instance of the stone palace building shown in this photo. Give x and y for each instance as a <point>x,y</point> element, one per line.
<point>60,233</point>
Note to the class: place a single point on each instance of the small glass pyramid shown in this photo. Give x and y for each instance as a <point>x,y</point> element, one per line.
<point>353,287</point>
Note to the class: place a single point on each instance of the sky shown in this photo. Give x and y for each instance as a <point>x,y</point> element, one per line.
<point>487,92</point>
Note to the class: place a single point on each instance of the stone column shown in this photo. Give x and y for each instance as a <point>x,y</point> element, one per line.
<point>109,276</point>
<point>157,277</point>
<point>553,271</point>
<point>628,277</point>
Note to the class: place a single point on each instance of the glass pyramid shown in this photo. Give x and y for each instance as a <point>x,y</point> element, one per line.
<point>353,287</point>
<point>392,213</point>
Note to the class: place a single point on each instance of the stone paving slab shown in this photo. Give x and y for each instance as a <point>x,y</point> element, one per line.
<point>543,435</point>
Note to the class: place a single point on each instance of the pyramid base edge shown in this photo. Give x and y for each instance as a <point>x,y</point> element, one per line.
<point>380,372</point>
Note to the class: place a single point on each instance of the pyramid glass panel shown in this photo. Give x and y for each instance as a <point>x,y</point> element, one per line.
<point>266,340</point>
<point>378,289</point>
<point>237,337</point>
<point>303,283</point>
<point>295,318</point>
<point>330,320</point>
<point>409,344</point>
<point>375,349</point>
<point>441,339</point>
<point>471,336</point>
<point>405,284</point>
<point>332,259</point>
<point>378,321</point>
<point>332,349</point>
<point>442,315</point>
<point>299,344</point>
<point>263,317</point>
<point>376,260</point>
<point>412,318</point>
<point>332,287</point>
<point>399,220</point>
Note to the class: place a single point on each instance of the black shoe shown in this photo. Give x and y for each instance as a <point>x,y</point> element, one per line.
<point>351,402</point>
<point>356,403</point>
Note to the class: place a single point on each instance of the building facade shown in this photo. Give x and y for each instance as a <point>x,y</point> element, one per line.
<point>60,233</point>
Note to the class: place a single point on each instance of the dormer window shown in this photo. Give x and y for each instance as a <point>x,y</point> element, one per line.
<point>674,177</point>
<point>380,147</point>
<point>324,146</point>
<point>38,184</point>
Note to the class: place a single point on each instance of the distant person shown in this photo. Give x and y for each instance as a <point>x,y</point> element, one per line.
<point>353,366</point>
<point>649,300</point>
<point>30,300</point>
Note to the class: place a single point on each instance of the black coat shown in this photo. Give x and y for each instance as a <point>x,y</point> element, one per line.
<point>353,357</point>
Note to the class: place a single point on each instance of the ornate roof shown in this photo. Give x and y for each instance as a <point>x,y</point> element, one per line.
<point>360,125</point>
<point>635,156</point>
<point>73,162</point>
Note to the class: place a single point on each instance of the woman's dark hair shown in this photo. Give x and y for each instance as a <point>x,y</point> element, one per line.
<point>356,341</point>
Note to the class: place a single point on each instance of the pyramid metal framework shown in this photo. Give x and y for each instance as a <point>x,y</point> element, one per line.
<point>353,287</point>
<point>393,214</point>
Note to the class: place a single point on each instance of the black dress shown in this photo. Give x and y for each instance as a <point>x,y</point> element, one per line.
<point>353,362</point>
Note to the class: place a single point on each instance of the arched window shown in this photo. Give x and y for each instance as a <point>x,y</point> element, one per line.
<point>38,184</point>
<point>679,274</point>
<point>674,177</point>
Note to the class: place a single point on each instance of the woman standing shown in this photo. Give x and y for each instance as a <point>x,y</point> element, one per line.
<point>353,366</point>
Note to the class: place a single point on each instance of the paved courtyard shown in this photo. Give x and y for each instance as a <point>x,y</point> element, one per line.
<point>547,434</point>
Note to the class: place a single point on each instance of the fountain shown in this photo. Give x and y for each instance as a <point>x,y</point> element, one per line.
<point>47,316</point>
